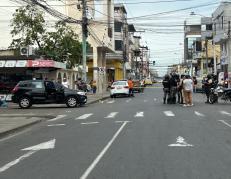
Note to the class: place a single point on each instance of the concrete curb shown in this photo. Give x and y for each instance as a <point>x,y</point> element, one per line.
<point>22,127</point>
<point>18,129</point>
<point>97,100</point>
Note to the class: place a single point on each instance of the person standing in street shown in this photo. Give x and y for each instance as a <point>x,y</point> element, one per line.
<point>194,84</point>
<point>130,86</point>
<point>188,88</point>
<point>166,87</point>
<point>180,90</point>
<point>173,88</point>
<point>207,86</point>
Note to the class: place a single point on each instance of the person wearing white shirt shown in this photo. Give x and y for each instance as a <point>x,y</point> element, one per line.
<point>65,83</point>
<point>188,88</point>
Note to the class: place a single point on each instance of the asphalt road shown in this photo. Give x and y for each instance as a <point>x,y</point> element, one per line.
<point>124,138</point>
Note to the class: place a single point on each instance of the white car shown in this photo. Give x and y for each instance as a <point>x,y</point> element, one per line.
<point>119,88</point>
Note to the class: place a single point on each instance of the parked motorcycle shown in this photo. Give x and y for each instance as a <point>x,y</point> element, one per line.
<point>219,92</point>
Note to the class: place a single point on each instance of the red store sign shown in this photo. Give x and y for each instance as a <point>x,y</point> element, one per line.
<point>40,63</point>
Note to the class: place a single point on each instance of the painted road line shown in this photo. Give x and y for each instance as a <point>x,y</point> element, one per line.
<point>85,116</point>
<point>139,114</point>
<point>112,115</point>
<point>55,125</point>
<point>43,146</point>
<point>89,123</point>
<point>169,113</point>
<point>225,113</point>
<point>180,142</point>
<point>145,101</point>
<point>100,156</point>
<point>199,114</point>
<point>111,102</point>
<point>57,118</point>
<point>122,121</point>
<point>128,100</point>
<point>227,124</point>
<point>155,99</point>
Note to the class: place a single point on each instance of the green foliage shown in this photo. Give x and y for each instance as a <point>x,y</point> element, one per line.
<point>62,44</point>
<point>28,27</point>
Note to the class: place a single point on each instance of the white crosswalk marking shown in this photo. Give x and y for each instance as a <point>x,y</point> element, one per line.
<point>139,114</point>
<point>169,113</point>
<point>199,114</point>
<point>85,116</point>
<point>225,113</point>
<point>112,115</point>
<point>110,102</point>
<point>127,101</point>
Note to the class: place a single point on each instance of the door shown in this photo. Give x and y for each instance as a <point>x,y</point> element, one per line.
<point>38,91</point>
<point>50,91</point>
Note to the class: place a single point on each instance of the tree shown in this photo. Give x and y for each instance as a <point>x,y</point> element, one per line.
<point>28,27</point>
<point>61,44</point>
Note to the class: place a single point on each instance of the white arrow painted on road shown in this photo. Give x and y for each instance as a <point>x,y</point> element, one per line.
<point>139,114</point>
<point>85,116</point>
<point>180,142</point>
<point>33,149</point>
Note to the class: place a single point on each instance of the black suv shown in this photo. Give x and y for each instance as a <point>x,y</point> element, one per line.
<point>27,93</point>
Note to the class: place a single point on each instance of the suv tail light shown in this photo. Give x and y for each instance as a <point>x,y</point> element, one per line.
<point>15,89</point>
<point>126,86</point>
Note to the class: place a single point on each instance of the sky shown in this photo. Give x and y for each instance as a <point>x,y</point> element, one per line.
<point>162,33</point>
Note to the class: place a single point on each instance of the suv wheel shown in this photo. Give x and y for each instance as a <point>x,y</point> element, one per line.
<point>25,102</point>
<point>71,102</point>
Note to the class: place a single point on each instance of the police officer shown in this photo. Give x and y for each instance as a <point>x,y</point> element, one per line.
<point>207,86</point>
<point>166,87</point>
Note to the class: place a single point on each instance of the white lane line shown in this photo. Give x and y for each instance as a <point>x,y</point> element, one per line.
<point>110,102</point>
<point>85,116</point>
<point>55,125</point>
<point>16,161</point>
<point>145,100</point>
<point>112,115</point>
<point>89,123</point>
<point>199,114</point>
<point>57,118</point>
<point>155,99</point>
<point>169,113</point>
<point>139,114</point>
<point>122,121</point>
<point>227,124</point>
<point>98,158</point>
<point>225,113</point>
<point>128,100</point>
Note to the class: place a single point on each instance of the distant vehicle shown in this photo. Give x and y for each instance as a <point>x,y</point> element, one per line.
<point>119,88</point>
<point>148,81</point>
<point>27,93</point>
<point>137,86</point>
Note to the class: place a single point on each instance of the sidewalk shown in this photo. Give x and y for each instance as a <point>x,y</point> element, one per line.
<point>13,119</point>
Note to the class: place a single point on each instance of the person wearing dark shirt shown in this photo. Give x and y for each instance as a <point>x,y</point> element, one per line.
<point>166,87</point>
<point>173,88</point>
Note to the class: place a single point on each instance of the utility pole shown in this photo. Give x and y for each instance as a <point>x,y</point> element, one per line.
<point>84,38</point>
<point>206,52</point>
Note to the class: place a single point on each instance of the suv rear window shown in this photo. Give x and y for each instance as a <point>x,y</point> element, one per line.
<point>120,83</point>
<point>37,84</point>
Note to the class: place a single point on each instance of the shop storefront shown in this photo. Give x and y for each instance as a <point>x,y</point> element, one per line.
<point>13,71</point>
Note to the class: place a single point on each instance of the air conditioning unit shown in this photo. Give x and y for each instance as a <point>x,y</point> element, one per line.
<point>27,51</point>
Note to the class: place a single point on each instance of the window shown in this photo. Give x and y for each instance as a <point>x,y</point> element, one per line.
<point>209,27</point>
<point>37,84</point>
<point>118,27</point>
<point>119,45</point>
<point>24,85</point>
